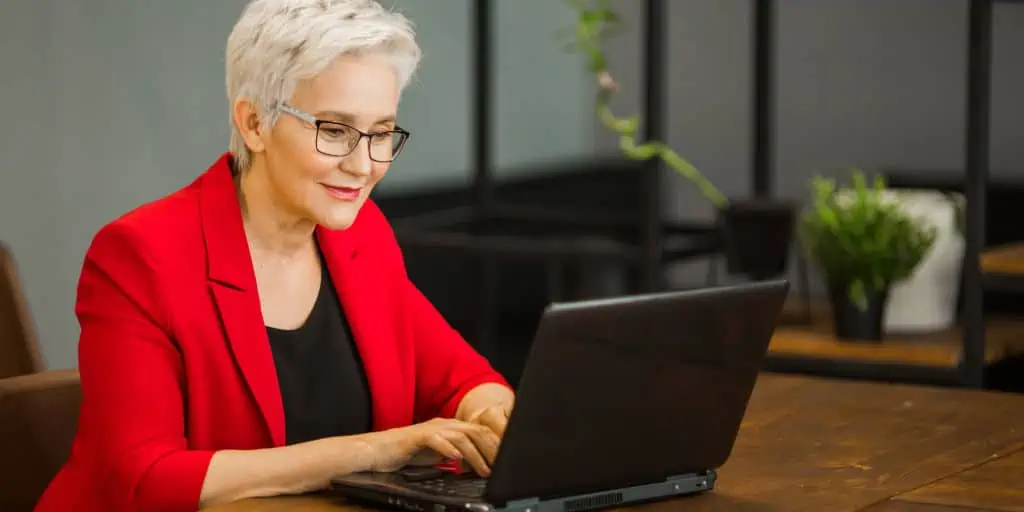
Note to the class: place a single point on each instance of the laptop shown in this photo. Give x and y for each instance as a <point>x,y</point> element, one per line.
<point>624,400</point>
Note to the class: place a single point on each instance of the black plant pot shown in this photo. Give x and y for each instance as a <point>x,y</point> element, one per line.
<point>853,323</point>
<point>757,235</point>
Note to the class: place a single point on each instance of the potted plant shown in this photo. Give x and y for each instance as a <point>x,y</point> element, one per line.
<point>863,242</point>
<point>756,234</point>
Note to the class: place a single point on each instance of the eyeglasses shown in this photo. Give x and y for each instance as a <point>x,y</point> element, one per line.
<point>334,138</point>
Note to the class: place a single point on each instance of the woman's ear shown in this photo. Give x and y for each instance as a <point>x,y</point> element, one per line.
<point>247,119</point>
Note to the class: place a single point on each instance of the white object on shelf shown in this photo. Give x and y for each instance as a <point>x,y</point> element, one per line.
<point>926,301</point>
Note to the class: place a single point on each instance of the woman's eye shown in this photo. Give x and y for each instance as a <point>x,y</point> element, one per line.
<point>332,132</point>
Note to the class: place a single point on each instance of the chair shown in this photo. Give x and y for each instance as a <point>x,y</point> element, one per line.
<point>19,347</point>
<point>38,419</point>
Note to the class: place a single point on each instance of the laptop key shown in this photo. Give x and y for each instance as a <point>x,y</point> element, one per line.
<point>417,474</point>
<point>469,487</point>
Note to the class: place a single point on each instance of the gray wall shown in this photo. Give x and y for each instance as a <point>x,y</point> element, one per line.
<point>106,104</point>
<point>111,103</point>
<point>531,81</point>
<point>872,83</point>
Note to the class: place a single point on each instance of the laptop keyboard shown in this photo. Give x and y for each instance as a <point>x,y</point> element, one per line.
<point>460,486</point>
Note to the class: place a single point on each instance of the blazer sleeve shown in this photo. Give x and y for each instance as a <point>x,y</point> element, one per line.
<point>446,366</point>
<point>132,419</point>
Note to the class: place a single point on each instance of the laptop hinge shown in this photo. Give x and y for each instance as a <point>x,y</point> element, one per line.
<point>702,478</point>
<point>680,478</point>
<point>523,503</point>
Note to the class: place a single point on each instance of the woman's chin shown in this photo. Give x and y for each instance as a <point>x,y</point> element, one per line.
<point>339,217</point>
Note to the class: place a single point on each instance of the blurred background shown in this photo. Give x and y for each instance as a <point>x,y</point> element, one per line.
<point>112,103</point>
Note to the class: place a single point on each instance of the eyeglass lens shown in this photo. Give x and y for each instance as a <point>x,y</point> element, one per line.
<point>339,140</point>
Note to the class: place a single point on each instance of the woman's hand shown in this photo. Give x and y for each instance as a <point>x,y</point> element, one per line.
<point>433,442</point>
<point>488,405</point>
<point>494,417</point>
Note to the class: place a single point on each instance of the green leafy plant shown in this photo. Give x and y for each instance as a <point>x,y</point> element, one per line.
<point>860,238</point>
<point>595,22</point>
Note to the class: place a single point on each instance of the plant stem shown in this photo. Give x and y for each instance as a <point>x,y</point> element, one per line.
<point>594,23</point>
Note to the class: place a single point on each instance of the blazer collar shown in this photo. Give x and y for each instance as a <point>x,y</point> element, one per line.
<point>233,286</point>
<point>224,232</point>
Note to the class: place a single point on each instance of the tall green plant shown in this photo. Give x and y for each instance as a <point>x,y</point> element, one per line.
<point>595,22</point>
<point>860,238</point>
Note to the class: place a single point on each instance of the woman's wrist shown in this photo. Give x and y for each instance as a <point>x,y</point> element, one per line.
<point>355,453</point>
<point>482,398</point>
<point>380,449</point>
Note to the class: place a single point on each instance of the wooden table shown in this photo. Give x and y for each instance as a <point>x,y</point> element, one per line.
<point>817,445</point>
<point>997,485</point>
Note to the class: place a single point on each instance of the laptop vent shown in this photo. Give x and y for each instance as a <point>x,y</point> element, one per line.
<point>591,502</point>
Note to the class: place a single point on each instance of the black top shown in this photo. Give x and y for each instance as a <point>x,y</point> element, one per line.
<point>323,384</point>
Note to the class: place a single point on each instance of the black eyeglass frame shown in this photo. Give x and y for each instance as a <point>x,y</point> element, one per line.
<point>317,123</point>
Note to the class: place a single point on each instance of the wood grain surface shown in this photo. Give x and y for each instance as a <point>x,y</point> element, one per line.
<point>811,444</point>
<point>997,485</point>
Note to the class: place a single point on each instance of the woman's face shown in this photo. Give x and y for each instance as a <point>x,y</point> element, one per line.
<point>359,91</point>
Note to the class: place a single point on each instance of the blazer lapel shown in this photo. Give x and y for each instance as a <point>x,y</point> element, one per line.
<point>369,309</point>
<point>233,285</point>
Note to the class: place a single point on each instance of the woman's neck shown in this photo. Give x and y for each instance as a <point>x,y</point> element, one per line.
<point>269,226</point>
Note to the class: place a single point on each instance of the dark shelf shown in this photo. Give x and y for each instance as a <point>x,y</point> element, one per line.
<point>1003,268</point>
<point>949,180</point>
<point>973,181</point>
<point>645,240</point>
<point>517,231</point>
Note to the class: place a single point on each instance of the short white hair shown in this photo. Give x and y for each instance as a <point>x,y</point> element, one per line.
<point>276,43</point>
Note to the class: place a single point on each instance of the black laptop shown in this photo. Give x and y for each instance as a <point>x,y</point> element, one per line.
<point>625,400</point>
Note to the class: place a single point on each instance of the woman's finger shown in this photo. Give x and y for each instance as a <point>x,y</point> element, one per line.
<point>444,447</point>
<point>485,440</point>
<point>470,453</point>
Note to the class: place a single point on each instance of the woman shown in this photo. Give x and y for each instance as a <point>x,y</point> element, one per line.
<point>255,333</point>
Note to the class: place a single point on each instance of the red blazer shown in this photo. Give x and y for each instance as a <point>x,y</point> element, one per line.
<point>174,357</point>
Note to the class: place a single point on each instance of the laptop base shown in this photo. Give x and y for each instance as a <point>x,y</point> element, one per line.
<point>388,492</point>
<point>671,487</point>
